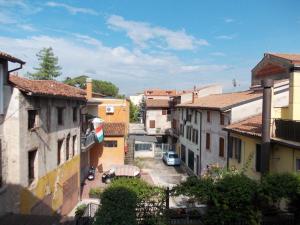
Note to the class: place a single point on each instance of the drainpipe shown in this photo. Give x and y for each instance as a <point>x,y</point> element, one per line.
<point>266,125</point>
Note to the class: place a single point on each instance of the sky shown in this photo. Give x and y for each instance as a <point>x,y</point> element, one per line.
<point>141,44</point>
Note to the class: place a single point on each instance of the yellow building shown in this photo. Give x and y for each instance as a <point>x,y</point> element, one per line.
<point>244,150</point>
<point>115,113</point>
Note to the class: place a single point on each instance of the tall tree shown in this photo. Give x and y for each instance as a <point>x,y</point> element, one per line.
<point>99,86</point>
<point>48,66</point>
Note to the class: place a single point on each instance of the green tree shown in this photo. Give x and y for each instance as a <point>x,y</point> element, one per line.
<point>99,86</point>
<point>134,112</point>
<point>48,66</point>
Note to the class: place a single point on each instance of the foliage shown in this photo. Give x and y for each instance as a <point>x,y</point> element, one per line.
<point>134,112</point>
<point>80,210</point>
<point>120,199</point>
<point>95,192</point>
<point>118,207</point>
<point>48,66</point>
<point>99,86</point>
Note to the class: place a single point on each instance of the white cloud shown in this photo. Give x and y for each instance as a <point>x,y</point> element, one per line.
<point>218,54</point>
<point>131,70</point>
<point>7,19</point>
<point>143,33</point>
<point>71,9</point>
<point>225,37</point>
<point>229,20</point>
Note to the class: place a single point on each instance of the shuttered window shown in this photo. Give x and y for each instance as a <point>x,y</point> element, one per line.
<point>208,141</point>
<point>152,123</point>
<point>221,147</point>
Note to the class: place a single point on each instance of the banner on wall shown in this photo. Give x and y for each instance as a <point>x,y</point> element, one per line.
<point>98,126</point>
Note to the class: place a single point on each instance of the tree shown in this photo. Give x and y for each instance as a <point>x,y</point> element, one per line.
<point>99,86</point>
<point>48,66</point>
<point>134,112</point>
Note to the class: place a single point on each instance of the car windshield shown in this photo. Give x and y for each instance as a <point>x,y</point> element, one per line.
<point>173,156</point>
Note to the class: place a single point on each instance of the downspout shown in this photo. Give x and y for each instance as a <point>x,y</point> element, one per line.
<point>229,145</point>
<point>18,68</point>
<point>266,125</point>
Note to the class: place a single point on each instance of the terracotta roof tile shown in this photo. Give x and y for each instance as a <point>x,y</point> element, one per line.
<point>294,58</point>
<point>46,87</point>
<point>114,129</point>
<point>10,58</point>
<point>222,101</point>
<point>157,103</point>
<point>251,126</point>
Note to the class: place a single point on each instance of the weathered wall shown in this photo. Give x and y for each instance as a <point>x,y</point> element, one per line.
<point>162,122</point>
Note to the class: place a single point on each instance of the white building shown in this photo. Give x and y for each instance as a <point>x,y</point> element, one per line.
<point>137,99</point>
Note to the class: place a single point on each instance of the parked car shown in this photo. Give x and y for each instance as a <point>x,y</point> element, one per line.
<point>120,171</point>
<point>171,158</point>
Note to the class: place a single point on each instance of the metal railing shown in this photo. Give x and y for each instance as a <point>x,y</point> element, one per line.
<point>287,129</point>
<point>87,141</point>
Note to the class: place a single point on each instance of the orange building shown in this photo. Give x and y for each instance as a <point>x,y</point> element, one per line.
<point>115,113</point>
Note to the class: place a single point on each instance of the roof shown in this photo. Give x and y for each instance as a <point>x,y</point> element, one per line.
<point>294,58</point>
<point>10,58</point>
<point>157,103</point>
<point>159,92</point>
<point>251,126</point>
<point>114,129</point>
<point>46,88</point>
<point>223,101</point>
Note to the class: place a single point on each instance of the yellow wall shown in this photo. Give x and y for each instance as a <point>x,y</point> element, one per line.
<point>103,157</point>
<point>283,159</point>
<point>52,182</point>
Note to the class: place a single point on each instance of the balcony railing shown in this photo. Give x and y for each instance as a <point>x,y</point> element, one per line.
<point>287,129</point>
<point>87,141</point>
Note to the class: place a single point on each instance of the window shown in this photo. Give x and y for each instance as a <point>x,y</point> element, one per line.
<point>143,147</point>
<point>169,111</point>
<point>207,141</point>
<point>230,150</point>
<point>75,114</point>
<point>32,119</point>
<point>208,116</point>
<point>74,145</point>
<point>152,123</point>
<point>237,148</point>
<point>68,148</point>
<point>258,158</point>
<point>182,153</point>
<point>196,118</point>
<point>59,147</point>
<point>181,114</point>
<point>174,124</point>
<point>191,160</point>
<point>110,144</point>
<point>221,147</point>
<point>298,165</point>
<point>196,138</point>
<point>164,112</point>
<point>222,119</point>
<point>60,119</point>
<point>181,130</point>
<point>31,165</point>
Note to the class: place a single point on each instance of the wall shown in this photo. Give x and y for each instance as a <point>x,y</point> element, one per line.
<point>19,140</point>
<point>103,158</point>
<point>162,122</point>
<point>136,99</point>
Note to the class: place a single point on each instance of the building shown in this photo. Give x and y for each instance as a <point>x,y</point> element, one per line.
<point>202,139</point>
<point>42,140</point>
<point>115,113</point>
<point>159,94</point>
<point>137,99</point>
<point>260,144</point>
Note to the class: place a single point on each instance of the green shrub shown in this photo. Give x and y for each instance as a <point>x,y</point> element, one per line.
<point>80,210</point>
<point>95,192</point>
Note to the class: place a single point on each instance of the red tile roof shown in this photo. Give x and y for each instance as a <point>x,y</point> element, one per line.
<point>222,101</point>
<point>46,88</point>
<point>251,126</point>
<point>10,58</point>
<point>294,58</point>
<point>157,103</point>
<point>114,129</point>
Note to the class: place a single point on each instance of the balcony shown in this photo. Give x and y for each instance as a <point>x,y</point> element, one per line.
<point>88,141</point>
<point>287,130</point>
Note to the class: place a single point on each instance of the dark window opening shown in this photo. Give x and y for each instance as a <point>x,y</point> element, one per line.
<point>73,145</point>
<point>221,147</point>
<point>68,148</point>
<point>258,158</point>
<point>75,114</point>
<point>59,147</point>
<point>110,144</point>
<point>32,119</point>
<point>31,167</point>
<point>152,123</point>
<point>207,141</point>
<point>208,116</point>
<point>191,160</point>
<point>182,153</point>
<point>60,119</point>
<point>297,165</point>
<point>164,112</point>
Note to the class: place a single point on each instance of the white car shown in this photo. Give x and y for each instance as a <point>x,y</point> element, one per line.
<point>171,158</point>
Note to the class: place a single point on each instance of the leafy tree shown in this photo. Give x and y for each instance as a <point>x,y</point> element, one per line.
<point>134,112</point>
<point>99,86</point>
<point>48,66</point>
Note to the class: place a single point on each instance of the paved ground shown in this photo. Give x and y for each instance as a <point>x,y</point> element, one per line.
<point>161,174</point>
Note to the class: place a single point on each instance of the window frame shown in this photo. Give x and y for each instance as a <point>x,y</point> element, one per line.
<point>114,144</point>
<point>222,147</point>
<point>31,165</point>
<point>59,150</point>
<point>75,114</point>
<point>30,125</point>
<point>152,122</point>
<point>207,143</point>
<point>60,116</point>
<point>222,119</point>
<point>208,116</point>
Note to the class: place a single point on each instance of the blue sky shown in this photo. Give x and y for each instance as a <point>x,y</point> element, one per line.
<point>152,44</point>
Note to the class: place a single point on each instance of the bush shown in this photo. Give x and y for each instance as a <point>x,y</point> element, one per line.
<point>95,192</point>
<point>80,210</point>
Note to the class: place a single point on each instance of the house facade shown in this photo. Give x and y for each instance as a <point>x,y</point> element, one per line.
<point>42,134</point>
<point>115,114</point>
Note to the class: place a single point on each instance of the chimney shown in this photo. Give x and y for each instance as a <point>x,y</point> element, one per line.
<point>266,124</point>
<point>294,94</point>
<point>89,88</point>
